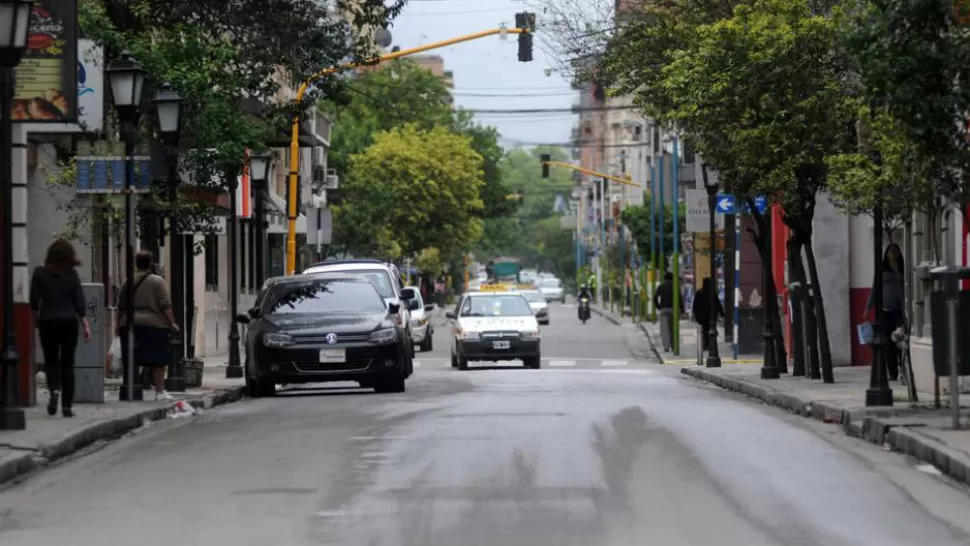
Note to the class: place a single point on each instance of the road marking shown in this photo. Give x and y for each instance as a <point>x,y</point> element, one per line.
<point>561,363</point>
<point>417,364</point>
<point>613,363</point>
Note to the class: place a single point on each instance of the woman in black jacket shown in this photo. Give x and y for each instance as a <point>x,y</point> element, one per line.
<point>57,300</point>
<point>702,309</point>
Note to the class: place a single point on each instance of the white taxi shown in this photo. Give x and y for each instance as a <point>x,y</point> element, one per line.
<point>494,326</point>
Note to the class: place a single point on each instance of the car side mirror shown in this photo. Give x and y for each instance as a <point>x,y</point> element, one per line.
<point>451,315</point>
<point>242,318</point>
<point>407,294</point>
<point>429,308</point>
<point>393,308</point>
<point>414,305</point>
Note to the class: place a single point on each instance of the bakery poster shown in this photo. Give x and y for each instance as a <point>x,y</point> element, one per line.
<point>46,89</point>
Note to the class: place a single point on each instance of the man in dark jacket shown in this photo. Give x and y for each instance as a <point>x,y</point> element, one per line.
<point>664,302</point>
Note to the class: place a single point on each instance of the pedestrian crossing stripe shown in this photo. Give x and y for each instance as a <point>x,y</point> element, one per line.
<point>551,362</point>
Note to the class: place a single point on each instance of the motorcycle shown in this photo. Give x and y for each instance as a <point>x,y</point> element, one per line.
<point>584,309</point>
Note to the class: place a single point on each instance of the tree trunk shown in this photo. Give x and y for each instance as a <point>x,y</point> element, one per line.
<point>825,349</point>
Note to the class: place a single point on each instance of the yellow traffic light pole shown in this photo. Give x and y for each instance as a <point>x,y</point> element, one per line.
<point>292,205</point>
<point>628,181</point>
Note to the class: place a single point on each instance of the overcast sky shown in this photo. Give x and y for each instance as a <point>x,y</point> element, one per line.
<point>487,73</point>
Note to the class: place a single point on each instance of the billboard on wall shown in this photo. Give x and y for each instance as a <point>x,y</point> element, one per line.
<point>47,74</point>
<point>90,94</point>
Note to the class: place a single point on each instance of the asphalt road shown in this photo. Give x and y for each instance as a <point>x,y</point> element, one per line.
<point>608,449</point>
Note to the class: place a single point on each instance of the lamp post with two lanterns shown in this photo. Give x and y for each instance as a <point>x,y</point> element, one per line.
<point>126,79</point>
<point>14,22</point>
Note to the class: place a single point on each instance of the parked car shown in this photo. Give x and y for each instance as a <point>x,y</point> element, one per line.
<point>322,328</point>
<point>422,330</point>
<point>538,304</point>
<point>385,277</point>
<point>551,288</point>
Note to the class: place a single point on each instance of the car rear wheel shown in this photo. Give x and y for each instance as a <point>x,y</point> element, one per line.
<point>454,360</point>
<point>462,362</point>
<point>390,385</point>
<point>427,344</point>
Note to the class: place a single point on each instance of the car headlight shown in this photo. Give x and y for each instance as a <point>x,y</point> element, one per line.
<point>277,340</point>
<point>470,336</point>
<point>534,334</point>
<point>384,335</point>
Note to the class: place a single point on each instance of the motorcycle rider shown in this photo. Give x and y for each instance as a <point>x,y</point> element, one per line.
<point>584,292</point>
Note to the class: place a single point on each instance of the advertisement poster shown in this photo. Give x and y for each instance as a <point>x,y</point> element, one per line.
<point>46,89</point>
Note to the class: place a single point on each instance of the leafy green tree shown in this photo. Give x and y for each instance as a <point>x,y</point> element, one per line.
<point>423,188</point>
<point>223,58</point>
<point>390,96</point>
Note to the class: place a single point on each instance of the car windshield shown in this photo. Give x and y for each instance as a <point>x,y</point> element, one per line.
<point>378,277</point>
<point>533,296</point>
<point>550,283</point>
<point>323,296</point>
<point>510,305</point>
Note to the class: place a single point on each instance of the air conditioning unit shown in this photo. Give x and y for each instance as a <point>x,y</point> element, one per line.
<point>319,156</point>
<point>332,181</point>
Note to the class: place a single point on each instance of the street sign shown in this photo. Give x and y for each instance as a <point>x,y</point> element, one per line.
<point>698,212</point>
<point>760,203</point>
<point>728,204</point>
<point>319,226</point>
<point>725,203</point>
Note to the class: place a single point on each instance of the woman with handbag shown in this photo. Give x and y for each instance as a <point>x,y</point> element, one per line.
<point>154,322</point>
<point>893,305</point>
<point>57,301</point>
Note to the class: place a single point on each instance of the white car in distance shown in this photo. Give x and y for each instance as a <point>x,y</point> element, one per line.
<point>538,304</point>
<point>422,331</point>
<point>551,288</point>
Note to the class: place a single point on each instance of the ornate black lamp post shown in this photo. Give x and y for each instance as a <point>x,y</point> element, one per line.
<point>168,110</point>
<point>713,357</point>
<point>14,21</point>
<point>126,78</point>
<point>258,176</point>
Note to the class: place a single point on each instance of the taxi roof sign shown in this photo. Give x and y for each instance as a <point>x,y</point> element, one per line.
<point>505,287</point>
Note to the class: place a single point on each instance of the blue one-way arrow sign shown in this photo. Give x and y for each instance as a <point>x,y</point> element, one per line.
<point>725,203</point>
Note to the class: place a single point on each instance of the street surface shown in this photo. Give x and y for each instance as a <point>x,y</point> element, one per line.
<point>601,447</point>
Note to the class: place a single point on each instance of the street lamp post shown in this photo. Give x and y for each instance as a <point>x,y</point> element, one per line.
<point>126,78</point>
<point>168,109</point>
<point>234,366</point>
<point>258,176</point>
<point>713,357</point>
<point>14,19</point>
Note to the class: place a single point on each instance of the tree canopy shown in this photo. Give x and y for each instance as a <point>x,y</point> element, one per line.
<point>423,189</point>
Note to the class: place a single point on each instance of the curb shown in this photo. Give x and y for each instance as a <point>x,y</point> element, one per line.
<point>869,425</point>
<point>105,430</point>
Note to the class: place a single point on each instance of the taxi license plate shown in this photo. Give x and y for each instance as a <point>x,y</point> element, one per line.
<point>333,356</point>
<point>500,344</point>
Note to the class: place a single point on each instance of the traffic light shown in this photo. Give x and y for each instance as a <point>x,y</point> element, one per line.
<point>544,159</point>
<point>527,22</point>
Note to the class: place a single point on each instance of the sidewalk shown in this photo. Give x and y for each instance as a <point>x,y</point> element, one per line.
<point>47,438</point>
<point>916,429</point>
<point>689,342</point>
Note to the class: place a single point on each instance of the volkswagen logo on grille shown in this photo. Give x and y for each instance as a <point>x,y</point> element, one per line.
<point>331,338</point>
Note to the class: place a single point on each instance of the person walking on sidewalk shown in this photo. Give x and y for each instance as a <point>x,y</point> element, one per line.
<point>893,301</point>
<point>702,310</point>
<point>664,300</point>
<point>154,322</point>
<point>57,301</point>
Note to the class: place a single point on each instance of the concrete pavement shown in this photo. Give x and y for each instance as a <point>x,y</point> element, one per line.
<point>581,455</point>
<point>48,439</point>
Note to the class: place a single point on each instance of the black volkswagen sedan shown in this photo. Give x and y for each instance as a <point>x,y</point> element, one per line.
<point>309,329</point>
